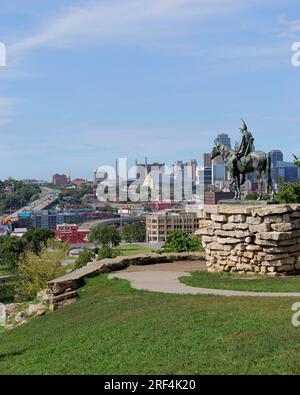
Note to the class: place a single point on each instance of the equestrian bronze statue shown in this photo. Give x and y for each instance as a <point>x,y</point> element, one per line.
<point>243,160</point>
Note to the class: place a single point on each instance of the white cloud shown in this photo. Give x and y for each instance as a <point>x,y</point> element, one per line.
<point>101,22</point>
<point>290,28</point>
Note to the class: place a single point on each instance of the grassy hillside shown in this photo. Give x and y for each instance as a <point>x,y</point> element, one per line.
<point>240,282</point>
<point>132,249</point>
<point>114,329</point>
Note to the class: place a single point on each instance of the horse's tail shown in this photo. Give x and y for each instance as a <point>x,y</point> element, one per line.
<point>269,176</point>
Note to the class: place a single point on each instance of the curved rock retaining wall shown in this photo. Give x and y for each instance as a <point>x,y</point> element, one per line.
<point>251,238</point>
<point>63,289</point>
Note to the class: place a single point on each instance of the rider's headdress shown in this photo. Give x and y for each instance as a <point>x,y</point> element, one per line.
<point>243,126</point>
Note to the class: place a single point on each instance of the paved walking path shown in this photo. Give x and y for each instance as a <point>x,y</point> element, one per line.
<point>168,282</point>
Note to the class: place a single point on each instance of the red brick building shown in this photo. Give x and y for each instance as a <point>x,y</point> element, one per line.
<point>215,197</point>
<point>71,234</point>
<point>60,179</point>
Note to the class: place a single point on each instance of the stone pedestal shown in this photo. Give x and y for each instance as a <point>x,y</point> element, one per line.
<point>249,238</point>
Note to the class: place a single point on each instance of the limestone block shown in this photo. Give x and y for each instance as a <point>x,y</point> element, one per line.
<point>240,247</point>
<point>215,246</point>
<point>207,239</point>
<point>286,226</point>
<point>248,240</point>
<point>259,228</point>
<point>218,218</point>
<point>228,240</point>
<point>276,236</point>
<point>248,254</point>
<point>253,247</point>
<point>273,219</point>
<point>295,214</point>
<point>245,260</point>
<point>254,220</point>
<point>288,242</point>
<point>237,218</point>
<point>285,268</point>
<point>278,250</point>
<point>271,210</point>
<point>204,223</point>
<point>235,226</point>
<point>205,231</point>
<point>272,257</point>
<point>279,262</point>
<point>234,233</point>
<point>230,263</point>
<point>217,225</point>
<point>224,253</point>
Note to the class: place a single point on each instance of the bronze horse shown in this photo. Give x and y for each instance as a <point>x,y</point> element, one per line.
<point>257,161</point>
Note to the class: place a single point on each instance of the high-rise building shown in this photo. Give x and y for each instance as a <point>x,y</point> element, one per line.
<point>192,169</point>
<point>276,156</point>
<point>144,169</point>
<point>286,170</point>
<point>224,139</point>
<point>206,160</point>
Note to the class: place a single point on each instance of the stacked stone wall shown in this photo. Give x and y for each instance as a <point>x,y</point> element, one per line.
<point>251,238</point>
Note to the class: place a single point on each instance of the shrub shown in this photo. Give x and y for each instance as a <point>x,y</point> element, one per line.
<point>182,242</point>
<point>105,235</point>
<point>36,270</point>
<point>85,256</point>
<point>106,252</point>
<point>134,233</point>
<point>289,193</point>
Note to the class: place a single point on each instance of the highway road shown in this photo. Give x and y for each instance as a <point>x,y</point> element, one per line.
<point>47,198</point>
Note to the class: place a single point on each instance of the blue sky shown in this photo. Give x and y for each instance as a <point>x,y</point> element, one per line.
<point>89,81</point>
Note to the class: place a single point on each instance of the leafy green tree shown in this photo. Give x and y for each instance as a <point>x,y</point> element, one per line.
<point>85,256</point>
<point>182,242</point>
<point>36,270</point>
<point>38,238</point>
<point>296,160</point>
<point>134,233</point>
<point>289,192</point>
<point>106,252</point>
<point>11,250</point>
<point>19,196</point>
<point>105,234</point>
<point>7,291</point>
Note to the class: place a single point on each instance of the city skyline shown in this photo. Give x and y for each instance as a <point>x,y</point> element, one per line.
<point>88,82</point>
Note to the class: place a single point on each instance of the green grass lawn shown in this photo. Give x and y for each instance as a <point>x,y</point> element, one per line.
<point>133,249</point>
<point>240,282</point>
<point>113,329</point>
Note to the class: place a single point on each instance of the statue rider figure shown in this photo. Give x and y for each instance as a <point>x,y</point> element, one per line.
<point>243,148</point>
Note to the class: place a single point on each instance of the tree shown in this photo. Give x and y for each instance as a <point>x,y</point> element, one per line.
<point>105,234</point>
<point>296,160</point>
<point>11,249</point>
<point>289,192</point>
<point>106,252</point>
<point>35,271</point>
<point>182,242</point>
<point>38,238</point>
<point>134,233</point>
<point>85,256</point>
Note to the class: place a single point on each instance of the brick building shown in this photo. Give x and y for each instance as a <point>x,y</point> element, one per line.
<point>71,234</point>
<point>158,226</point>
